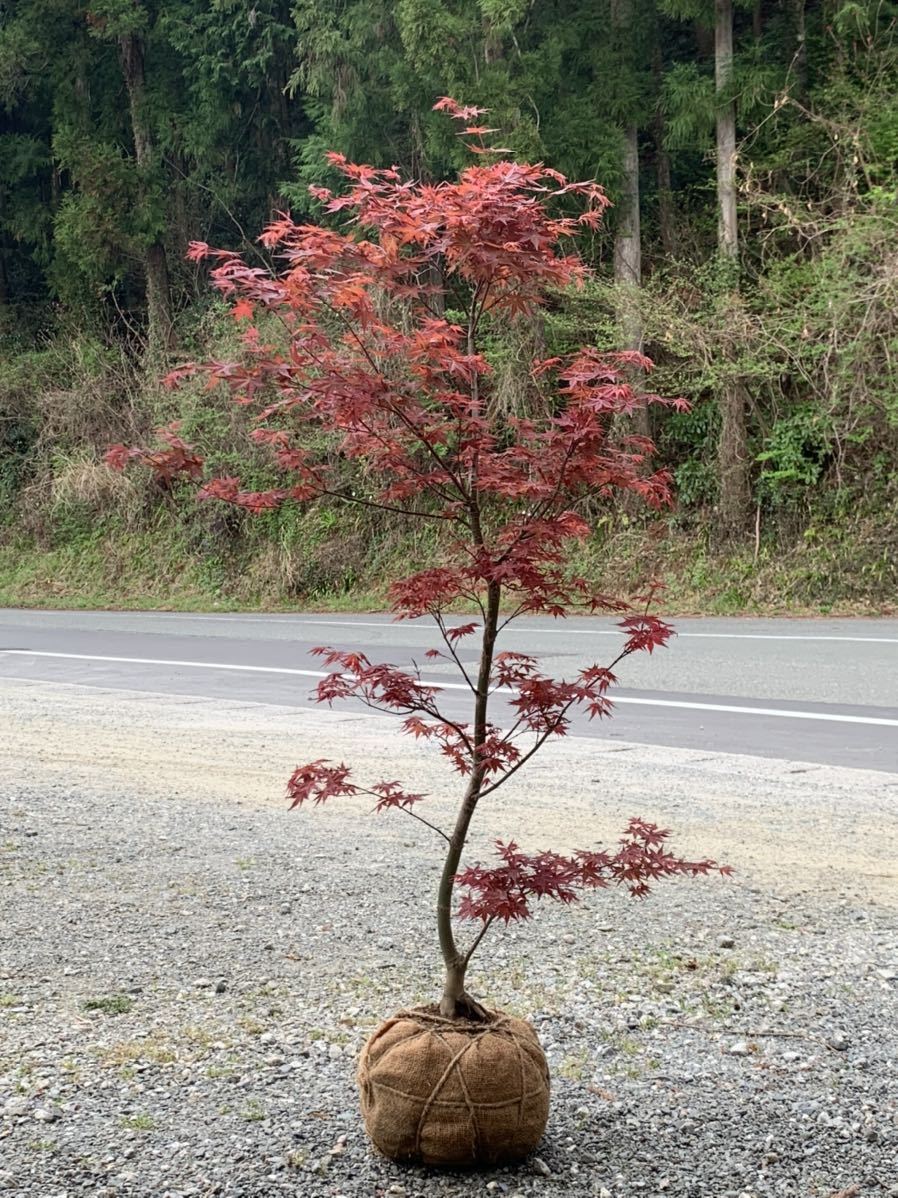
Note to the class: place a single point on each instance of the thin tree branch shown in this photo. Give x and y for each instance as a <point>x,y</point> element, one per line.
<point>480,935</point>
<point>438,620</point>
<point>419,818</point>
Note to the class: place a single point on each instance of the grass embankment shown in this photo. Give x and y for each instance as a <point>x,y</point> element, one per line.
<point>317,561</point>
<point>75,534</point>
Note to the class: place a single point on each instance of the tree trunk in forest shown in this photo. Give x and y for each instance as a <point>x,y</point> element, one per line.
<point>158,291</point>
<point>628,262</point>
<point>666,220</point>
<point>728,234</point>
<point>733,477</point>
<point>627,244</point>
<point>801,50</point>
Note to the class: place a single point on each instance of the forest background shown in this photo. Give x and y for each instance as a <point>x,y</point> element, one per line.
<point>750,149</point>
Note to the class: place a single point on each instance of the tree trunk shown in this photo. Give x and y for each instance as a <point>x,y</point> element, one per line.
<point>801,50</point>
<point>4,290</point>
<point>733,476</point>
<point>727,232</point>
<point>628,233</point>
<point>666,219</point>
<point>158,291</point>
<point>159,313</point>
<point>456,1003</point>
<point>628,266</point>
<point>627,245</point>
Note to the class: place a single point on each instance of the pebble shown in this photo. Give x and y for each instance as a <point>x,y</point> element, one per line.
<point>253,1093</point>
<point>726,942</point>
<point>740,1048</point>
<point>839,1041</point>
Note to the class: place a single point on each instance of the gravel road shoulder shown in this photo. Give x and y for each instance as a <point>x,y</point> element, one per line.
<point>187,970</point>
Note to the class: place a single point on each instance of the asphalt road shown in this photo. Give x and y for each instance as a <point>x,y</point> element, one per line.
<point>809,691</point>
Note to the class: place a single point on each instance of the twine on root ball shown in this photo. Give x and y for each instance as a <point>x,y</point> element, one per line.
<point>454,1092</point>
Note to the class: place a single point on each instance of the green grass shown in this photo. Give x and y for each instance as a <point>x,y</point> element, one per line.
<point>312,561</point>
<point>139,1123</point>
<point>133,572</point>
<point>110,1004</point>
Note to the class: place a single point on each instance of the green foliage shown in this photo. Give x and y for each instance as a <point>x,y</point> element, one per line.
<point>793,459</point>
<point>238,106</point>
<point>109,1004</point>
<point>689,106</point>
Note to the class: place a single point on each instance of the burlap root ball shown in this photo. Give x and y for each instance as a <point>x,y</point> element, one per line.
<point>454,1092</point>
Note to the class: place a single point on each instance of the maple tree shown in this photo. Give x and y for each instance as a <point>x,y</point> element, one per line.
<point>370,369</point>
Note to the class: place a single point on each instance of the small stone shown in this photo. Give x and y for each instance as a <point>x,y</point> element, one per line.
<point>888,975</point>
<point>740,1049</point>
<point>539,1166</point>
<point>791,1057</point>
<point>203,983</point>
<point>839,1041</point>
<point>221,986</point>
<point>397,1189</point>
<point>286,909</point>
<point>726,942</point>
<point>492,1186</point>
<point>47,1114</point>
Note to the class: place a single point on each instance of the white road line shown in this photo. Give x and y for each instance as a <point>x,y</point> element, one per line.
<point>565,630</point>
<point>780,713</point>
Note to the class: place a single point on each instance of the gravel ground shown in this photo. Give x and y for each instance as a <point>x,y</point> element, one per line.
<point>187,970</point>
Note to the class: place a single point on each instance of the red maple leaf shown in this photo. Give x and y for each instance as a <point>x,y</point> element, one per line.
<point>243,310</point>
<point>371,397</point>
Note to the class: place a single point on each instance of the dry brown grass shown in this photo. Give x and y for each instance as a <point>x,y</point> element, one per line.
<point>79,480</point>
